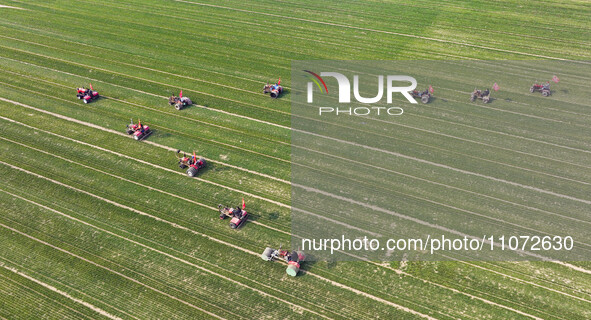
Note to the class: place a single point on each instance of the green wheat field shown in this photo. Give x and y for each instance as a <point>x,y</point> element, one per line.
<point>96,225</point>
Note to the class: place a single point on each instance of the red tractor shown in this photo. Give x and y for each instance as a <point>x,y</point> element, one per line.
<point>139,131</point>
<point>424,95</point>
<point>180,101</point>
<point>543,88</point>
<point>87,95</point>
<point>274,90</point>
<point>479,94</point>
<point>193,163</point>
<point>293,259</point>
<point>238,216</point>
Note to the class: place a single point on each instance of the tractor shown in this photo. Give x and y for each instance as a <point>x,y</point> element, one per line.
<point>238,216</point>
<point>293,258</point>
<point>543,88</point>
<point>274,90</point>
<point>86,95</point>
<point>179,102</point>
<point>479,94</point>
<point>139,131</point>
<point>192,163</point>
<point>425,96</point>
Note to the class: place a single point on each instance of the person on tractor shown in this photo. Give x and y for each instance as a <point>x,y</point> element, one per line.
<point>172,100</point>
<point>486,93</point>
<point>237,212</point>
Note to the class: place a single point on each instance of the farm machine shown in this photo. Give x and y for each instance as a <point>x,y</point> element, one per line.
<point>425,96</point>
<point>237,216</point>
<point>180,101</point>
<point>479,94</point>
<point>139,131</point>
<point>87,95</point>
<point>543,88</point>
<point>193,163</point>
<point>293,258</point>
<point>274,90</point>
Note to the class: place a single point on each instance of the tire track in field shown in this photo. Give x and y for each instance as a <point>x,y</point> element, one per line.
<point>383,31</point>
<point>213,265</point>
<point>374,263</point>
<point>56,290</point>
<point>175,225</point>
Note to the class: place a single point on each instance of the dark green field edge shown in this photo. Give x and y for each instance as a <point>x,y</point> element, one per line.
<point>23,298</point>
<point>208,232</point>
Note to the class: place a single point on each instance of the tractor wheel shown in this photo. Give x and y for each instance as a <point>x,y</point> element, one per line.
<point>85,101</point>
<point>233,226</point>
<point>292,270</point>
<point>191,172</point>
<point>266,255</point>
<point>486,99</point>
<point>182,166</point>
<point>531,90</point>
<point>129,131</point>
<point>472,98</point>
<point>202,160</point>
<point>79,97</point>
<point>425,99</point>
<point>177,106</point>
<point>137,138</point>
<point>545,93</point>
